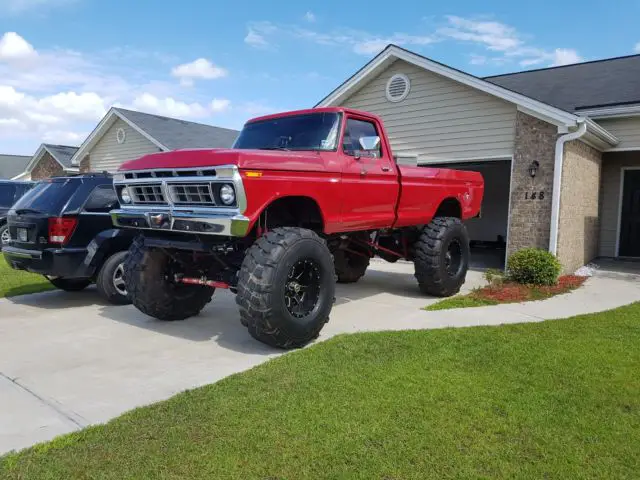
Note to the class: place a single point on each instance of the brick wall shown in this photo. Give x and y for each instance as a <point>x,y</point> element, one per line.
<point>579,204</point>
<point>46,167</point>
<point>530,215</point>
<point>85,164</point>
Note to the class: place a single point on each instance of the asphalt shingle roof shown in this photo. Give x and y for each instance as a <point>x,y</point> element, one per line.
<point>62,153</point>
<point>13,165</point>
<point>614,81</point>
<point>178,134</point>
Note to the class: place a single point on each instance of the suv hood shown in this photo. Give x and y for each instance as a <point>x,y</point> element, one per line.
<point>249,159</point>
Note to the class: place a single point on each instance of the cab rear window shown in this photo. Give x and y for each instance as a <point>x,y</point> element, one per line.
<point>48,197</point>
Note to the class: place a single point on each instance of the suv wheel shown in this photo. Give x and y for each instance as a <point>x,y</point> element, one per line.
<point>286,287</point>
<point>110,281</point>
<point>442,257</point>
<point>5,237</point>
<point>69,284</point>
<point>149,281</point>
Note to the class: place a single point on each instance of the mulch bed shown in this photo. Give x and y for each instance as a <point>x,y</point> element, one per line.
<point>510,292</point>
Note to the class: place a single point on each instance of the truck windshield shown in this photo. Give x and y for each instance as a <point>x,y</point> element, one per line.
<point>313,131</point>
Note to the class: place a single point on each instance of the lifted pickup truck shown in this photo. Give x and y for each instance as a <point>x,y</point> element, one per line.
<point>302,199</point>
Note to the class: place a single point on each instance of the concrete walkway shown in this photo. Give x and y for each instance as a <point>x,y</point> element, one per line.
<point>68,360</point>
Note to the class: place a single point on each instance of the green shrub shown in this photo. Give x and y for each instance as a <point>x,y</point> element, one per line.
<point>533,266</point>
<point>494,277</point>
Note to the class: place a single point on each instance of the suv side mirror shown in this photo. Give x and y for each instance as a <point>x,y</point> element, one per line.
<point>370,143</point>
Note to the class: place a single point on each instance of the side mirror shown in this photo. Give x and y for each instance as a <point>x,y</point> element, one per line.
<point>370,143</point>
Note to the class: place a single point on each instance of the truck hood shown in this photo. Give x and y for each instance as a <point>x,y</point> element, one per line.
<point>244,159</point>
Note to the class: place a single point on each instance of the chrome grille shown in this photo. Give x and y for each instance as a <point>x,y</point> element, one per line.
<point>147,194</point>
<point>192,193</point>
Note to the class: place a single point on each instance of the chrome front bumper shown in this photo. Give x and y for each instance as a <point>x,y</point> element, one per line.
<point>229,224</point>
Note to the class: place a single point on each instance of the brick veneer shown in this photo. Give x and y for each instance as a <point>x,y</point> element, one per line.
<point>46,167</point>
<point>530,219</point>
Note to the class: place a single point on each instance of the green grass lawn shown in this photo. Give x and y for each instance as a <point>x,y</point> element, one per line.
<point>15,282</point>
<point>558,400</point>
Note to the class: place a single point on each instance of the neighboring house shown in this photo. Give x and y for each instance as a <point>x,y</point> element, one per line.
<point>14,167</point>
<point>559,147</point>
<point>51,161</point>
<point>124,135</point>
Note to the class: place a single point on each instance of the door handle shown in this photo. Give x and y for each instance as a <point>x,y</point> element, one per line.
<point>386,168</point>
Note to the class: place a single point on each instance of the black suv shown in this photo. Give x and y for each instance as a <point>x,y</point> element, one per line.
<point>10,192</point>
<point>62,229</point>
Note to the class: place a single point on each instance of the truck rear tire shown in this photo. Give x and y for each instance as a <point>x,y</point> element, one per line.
<point>286,287</point>
<point>441,257</point>
<point>350,267</point>
<point>149,283</point>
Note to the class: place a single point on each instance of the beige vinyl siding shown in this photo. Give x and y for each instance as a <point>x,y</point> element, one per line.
<point>626,129</point>
<point>108,154</point>
<point>440,119</point>
<point>612,164</point>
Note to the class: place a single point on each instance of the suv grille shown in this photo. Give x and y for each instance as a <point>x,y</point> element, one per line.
<point>145,194</point>
<point>192,193</point>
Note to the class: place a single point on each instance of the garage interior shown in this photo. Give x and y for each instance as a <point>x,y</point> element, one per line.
<point>488,232</point>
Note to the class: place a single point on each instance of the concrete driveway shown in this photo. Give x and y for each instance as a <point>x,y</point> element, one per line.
<point>67,360</point>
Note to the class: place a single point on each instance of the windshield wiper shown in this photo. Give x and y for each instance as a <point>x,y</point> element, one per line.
<point>275,148</point>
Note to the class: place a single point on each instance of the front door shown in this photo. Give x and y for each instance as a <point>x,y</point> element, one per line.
<point>630,220</point>
<point>370,183</point>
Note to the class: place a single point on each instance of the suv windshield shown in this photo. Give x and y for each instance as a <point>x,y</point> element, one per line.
<point>48,197</point>
<point>312,131</point>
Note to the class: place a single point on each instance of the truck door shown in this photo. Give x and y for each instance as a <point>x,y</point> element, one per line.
<point>369,177</point>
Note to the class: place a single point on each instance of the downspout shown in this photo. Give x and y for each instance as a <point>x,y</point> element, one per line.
<point>557,181</point>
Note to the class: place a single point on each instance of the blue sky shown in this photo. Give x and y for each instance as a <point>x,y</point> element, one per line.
<point>63,63</point>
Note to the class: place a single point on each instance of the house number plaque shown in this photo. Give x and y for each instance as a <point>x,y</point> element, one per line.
<point>534,195</point>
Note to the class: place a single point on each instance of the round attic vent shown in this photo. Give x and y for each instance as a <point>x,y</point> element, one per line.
<point>121,135</point>
<point>398,87</point>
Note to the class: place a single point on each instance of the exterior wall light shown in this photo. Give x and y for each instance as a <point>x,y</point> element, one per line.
<point>533,168</point>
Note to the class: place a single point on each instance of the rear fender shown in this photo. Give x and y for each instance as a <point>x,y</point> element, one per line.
<point>105,244</point>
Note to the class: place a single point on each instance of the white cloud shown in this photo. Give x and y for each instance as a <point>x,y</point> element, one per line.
<point>504,42</point>
<point>169,106</point>
<point>565,56</point>
<point>310,17</point>
<point>14,47</point>
<point>220,104</point>
<point>198,69</point>
<point>257,33</point>
<point>65,137</point>
<point>637,48</point>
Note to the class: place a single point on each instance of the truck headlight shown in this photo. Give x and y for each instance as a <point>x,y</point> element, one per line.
<point>125,196</point>
<point>227,194</point>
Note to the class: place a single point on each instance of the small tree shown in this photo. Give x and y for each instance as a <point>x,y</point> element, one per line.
<point>533,266</point>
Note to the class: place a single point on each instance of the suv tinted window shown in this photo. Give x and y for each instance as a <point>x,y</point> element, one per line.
<point>102,200</point>
<point>48,197</point>
<point>21,190</point>
<point>7,194</point>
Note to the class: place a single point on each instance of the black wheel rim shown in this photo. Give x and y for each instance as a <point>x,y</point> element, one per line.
<point>302,288</point>
<point>453,258</point>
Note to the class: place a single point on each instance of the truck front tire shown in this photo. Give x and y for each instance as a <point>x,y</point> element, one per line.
<point>441,257</point>
<point>350,267</point>
<point>286,287</point>
<point>152,290</point>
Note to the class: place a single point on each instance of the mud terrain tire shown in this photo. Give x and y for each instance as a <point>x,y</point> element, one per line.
<point>153,292</point>
<point>269,275</point>
<point>350,267</point>
<point>441,257</point>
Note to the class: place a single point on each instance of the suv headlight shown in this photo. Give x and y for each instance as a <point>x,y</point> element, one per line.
<point>227,194</point>
<point>125,196</point>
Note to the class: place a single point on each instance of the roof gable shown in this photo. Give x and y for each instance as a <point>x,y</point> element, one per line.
<point>608,82</point>
<point>531,106</point>
<point>12,166</point>
<point>165,132</point>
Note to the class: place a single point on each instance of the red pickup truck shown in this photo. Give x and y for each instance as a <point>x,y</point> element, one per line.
<point>302,199</point>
